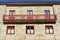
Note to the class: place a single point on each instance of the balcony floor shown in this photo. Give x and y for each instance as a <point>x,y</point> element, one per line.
<point>30,22</point>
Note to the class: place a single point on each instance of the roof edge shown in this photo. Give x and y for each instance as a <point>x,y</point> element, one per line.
<point>29,3</point>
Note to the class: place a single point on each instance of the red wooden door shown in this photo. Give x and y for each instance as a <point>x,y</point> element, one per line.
<point>47,14</point>
<point>11,14</point>
<point>47,17</point>
<point>29,14</point>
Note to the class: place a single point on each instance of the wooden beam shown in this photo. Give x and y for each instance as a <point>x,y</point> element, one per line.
<point>29,3</point>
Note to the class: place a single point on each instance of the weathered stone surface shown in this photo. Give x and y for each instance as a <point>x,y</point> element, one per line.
<point>20,29</point>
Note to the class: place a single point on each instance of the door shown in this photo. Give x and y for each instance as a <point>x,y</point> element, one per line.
<point>29,14</point>
<point>11,14</point>
<point>47,14</point>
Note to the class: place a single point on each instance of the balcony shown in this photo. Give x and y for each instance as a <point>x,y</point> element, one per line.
<point>29,19</point>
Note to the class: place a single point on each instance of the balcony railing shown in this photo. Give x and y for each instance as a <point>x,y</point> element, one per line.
<point>28,17</point>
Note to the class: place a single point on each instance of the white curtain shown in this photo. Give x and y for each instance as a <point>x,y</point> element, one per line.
<point>51,30</point>
<point>12,31</point>
<point>32,31</point>
<point>8,31</point>
<point>47,30</point>
<point>28,31</point>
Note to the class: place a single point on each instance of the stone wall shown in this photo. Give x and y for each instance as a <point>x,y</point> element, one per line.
<point>23,9</point>
<point>57,25</point>
<point>20,29</point>
<point>20,33</point>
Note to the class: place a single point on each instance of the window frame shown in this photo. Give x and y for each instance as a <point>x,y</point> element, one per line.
<point>30,30</point>
<point>10,30</point>
<point>49,26</point>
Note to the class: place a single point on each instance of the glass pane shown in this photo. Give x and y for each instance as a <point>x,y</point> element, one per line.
<point>51,30</point>
<point>32,27</point>
<point>8,31</point>
<point>51,27</point>
<point>32,31</point>
<point>8,27</point>
<point>12,31</point>
<point>28,27</point>
<point>12,27</point>
<point>47,30</point>
<point>28,31</point>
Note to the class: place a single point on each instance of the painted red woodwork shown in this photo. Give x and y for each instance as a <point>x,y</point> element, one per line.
<point>11,17</point>
<point>48,17</point>
<point>29,17</point>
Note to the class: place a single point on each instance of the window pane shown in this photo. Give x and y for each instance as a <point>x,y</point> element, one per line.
<point>12,27</point>
<point>28,31</point>
<point>51,27</point>
<point>8,31</point>
<point>28,27</point>
<point>12,31</point>
<point>32,27</point>
<point>32,31</point>
<point>47,30</point>
<point>8,27</point>
<point>51,30</point>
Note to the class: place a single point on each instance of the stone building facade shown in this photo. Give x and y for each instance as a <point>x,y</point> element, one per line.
<point>33,30</point>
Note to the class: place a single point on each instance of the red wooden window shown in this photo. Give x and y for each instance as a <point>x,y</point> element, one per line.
<point>49,29</point>
<point>10,30</point>
<point>29,29</point>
